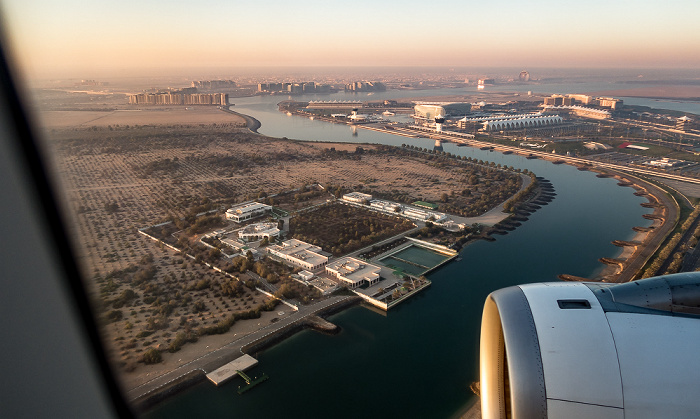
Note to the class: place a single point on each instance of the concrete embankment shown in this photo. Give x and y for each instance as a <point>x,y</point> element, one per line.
<point>167,385</point>
<point>314,322</point>
<point>322,325</point>
<point>251,123</point>
<point>170,389</point>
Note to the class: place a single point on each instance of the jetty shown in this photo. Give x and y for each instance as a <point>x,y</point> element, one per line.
<point>230,370</point>
<point>250,383</point>
<point>625,243</point>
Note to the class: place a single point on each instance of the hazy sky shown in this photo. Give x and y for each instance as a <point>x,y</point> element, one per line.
<point>91,38</point>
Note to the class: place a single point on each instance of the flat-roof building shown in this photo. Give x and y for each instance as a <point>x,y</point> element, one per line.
<point>258,231</point>
<point>299,253</point>
<point>247,211</point>
<point>306,275</point>
<point>610,102</point>
<point>354,272</point>
<point>387,206</point>
<point>358,197</point>
<point>423,215</point>
<point>429,111</point>
<point>577,110</point>
<point>533,121</point>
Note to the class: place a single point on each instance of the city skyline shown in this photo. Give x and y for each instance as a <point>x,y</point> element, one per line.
<point>79,39</point>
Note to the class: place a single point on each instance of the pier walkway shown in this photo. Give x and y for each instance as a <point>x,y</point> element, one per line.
<point>236,367</point>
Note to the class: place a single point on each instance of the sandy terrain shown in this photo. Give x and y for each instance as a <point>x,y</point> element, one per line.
<point>151,172</point>
<point>203,346</point>
<point>191,115</point>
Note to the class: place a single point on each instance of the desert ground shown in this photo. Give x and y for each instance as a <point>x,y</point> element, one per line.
<point>124,170</point>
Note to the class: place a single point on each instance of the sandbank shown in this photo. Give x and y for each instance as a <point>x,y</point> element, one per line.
<point>139,116</point>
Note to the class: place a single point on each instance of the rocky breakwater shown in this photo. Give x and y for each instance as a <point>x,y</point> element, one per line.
<point>321,325</point>
<point>543,195</point>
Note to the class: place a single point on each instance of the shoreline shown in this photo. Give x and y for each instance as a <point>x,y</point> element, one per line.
<point>160,391</point>
<point>252,124</point>
<point>638,250</point>
<point>173,382</point>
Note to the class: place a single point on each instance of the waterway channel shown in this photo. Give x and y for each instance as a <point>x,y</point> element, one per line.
<point>418,360</point>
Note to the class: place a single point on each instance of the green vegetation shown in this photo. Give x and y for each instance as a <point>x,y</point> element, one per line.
<point>181,339</point>
<point>671,246</point>
<point>225,325</point>
<point>483,184</point>
<point>341,229</point>
<point>512,204</point>
<point>152,356</point>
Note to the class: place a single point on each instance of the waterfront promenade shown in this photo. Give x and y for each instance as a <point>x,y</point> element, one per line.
<point>215,359</point>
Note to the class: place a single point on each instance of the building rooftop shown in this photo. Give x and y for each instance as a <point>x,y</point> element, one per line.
<point>259,228</point>
<point>357,196</point>
<point>354,270</point>
<point>249,207</point>
<point>300,250</point>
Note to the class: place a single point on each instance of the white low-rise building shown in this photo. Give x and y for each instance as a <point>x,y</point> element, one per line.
<point>247,211</point>
<point>306,275</point>
<point>358,197</point>
<point>664,163</point>
<point>299,253</point>
<point>424,215</point>
<point>354,272</point>
<point>582,111</point>
<point>258,231</point>
<point>387,206</point>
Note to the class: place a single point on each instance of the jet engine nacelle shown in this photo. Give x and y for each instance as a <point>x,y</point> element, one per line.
<point>593,350</point>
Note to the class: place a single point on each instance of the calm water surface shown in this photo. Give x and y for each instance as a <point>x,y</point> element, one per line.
<point>418,360</point>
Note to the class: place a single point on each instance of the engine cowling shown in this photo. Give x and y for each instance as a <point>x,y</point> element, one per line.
<point>592,350</point>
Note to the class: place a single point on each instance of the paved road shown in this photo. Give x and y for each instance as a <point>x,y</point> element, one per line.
<point>231,351</point>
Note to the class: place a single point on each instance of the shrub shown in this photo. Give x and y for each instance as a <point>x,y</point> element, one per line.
<point>152,356</point>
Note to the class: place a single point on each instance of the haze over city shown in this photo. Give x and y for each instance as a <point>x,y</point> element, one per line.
<point>85,39</point>
<point>318,208</point>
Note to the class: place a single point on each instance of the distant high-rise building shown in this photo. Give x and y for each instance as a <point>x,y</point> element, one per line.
<point>554,100</point>
<point>301,87</point>
<point>177,98</point>
<point>524,76</point>
<point>609,102</point>
<point>583,99</point>
<point>365,86</point>
<point>213,84</point>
